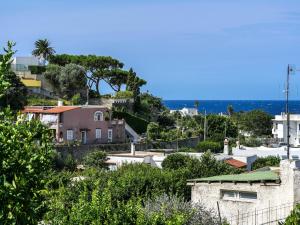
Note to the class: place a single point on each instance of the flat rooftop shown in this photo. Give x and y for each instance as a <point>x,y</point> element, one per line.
<point>137,154</point>
<point>252,177</point>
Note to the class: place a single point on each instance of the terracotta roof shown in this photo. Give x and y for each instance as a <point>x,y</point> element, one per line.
<point>57,109</point>
<point>32,110</point>
<point>60,109</point>
<point>235,163</point>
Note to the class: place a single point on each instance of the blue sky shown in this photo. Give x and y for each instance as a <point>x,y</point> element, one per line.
<point>192,49</point>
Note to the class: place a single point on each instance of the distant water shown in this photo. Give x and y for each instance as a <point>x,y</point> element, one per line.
<point>273,107</point>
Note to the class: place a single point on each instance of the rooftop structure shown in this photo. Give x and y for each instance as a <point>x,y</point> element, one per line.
<point>242,197</point>
<point>186,111</point>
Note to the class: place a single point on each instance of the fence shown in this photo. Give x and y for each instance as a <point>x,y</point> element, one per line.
<point>266,216</point>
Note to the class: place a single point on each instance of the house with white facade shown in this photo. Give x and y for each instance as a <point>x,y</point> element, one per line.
<point>279,130</point>
<point>186,111</point>
<point>33,79</point>
<point>257,197</point>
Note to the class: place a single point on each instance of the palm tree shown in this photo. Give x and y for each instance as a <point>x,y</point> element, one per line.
<point>43,50</point>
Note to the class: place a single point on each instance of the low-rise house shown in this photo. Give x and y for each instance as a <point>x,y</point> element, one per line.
<point>257,197</point>
<point>29,70</point>
<point>186,111</point>
<point>279,130</point>
<point>86,124</point>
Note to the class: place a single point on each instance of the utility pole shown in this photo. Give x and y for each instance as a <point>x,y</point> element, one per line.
<point>289,70</point>
<point>205,125</point>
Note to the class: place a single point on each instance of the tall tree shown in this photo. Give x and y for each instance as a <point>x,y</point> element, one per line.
<point>13,92</point>
<point>43,50</point>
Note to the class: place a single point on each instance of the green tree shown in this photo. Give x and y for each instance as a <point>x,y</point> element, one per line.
<point>96,159</point>
<point>43,49</point>
<point>72,80</point>
<point>256,122</point>
<point>176,161</point>
<point>153,131</point>
<point>25,155</point>
<point>13,92</point>
<point>213,146</point>
<point>52,74</point>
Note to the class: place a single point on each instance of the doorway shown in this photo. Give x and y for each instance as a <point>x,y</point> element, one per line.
<point>83,137</point>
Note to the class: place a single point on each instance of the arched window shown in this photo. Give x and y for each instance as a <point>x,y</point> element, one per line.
<point>98,116</point>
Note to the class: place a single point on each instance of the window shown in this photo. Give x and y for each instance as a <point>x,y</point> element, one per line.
<point>98,116</point>
<point>98,133</point>
<point>238,195</point>
<point>70,135</point>
<point>110,135</point>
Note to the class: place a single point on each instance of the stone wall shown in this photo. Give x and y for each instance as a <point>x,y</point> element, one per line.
<point>78,152</point>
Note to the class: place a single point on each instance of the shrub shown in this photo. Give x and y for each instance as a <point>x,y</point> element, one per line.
<point>37,69</point>
<point>267,161</point>
<point>95,159</point>
<point>251,142</point>
<point>76,99</point>
<point>175,161</point>
<point>209,145</point>
<point>294,217</point>
<point>124,94</point>
<point>138,124</point>
<point>70,163</point>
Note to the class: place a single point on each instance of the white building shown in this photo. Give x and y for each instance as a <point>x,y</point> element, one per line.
<point>186,111</point>
<point>279,130</point>
<point>251,198</point>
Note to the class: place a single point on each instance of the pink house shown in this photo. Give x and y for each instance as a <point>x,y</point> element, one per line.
<point>86,124</point>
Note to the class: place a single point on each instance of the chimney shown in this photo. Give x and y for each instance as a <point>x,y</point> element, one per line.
<point>60,103</point>
<point>226,147</point>
<point>132,148</point>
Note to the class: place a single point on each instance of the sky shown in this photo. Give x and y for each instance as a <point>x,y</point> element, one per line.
<point>191,49</point>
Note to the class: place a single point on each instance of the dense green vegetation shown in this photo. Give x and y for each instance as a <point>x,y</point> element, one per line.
<point>266,161</point>
<point>213,146</point>
<point>137,123</point>
<point>293,218</point>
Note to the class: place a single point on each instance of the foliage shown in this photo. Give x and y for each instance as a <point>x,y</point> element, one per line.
<point>12,91</point>
<point>15,96</point>
<point>25,154</point>
<point>250,142</point>
<point>174,210</point>
<point>43,49</point>
<point>267,161</point>
<point>5,65</point>
<point>176,161</point>
<point>153,131</point>
<point>37,100</point>
<point>294,217</point>
<point>69,162</point>
<point>150,107</point>
<point>52,74</point>
<point>36,69</point>
<point>96,159</point>
<point>138,124</point>
<point>166,120</point>
<point>256,122</point>
<point>103,68</point>
<point>217,124</point>
<point>209,145</point>
<point>72,80</point>
<point>124,94</point>
<point>76,99</point>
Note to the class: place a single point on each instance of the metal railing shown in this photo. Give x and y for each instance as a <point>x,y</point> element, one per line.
<point>267,216</point>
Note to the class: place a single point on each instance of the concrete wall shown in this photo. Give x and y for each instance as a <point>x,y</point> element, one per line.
<point>268,194</point>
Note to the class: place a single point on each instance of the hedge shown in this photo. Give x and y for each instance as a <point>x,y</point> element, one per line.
<point>214,147</point>
<point>138,124</point>
<point>37,69</point>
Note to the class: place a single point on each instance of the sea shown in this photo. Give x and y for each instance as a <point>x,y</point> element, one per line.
<point>273,107</point>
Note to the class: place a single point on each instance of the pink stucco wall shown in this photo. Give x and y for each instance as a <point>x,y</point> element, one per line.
<point>83,119</point>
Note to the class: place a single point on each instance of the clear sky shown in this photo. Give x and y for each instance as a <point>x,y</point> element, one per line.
<point>185,49</point>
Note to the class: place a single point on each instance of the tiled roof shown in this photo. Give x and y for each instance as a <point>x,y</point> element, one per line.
<point>258,176</point>
<point>31,83</point>
<point>60,109</point>
<point>57,109</point>
<point>235,163</point>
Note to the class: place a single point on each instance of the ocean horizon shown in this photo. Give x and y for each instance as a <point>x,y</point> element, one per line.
<point>273,107</point>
